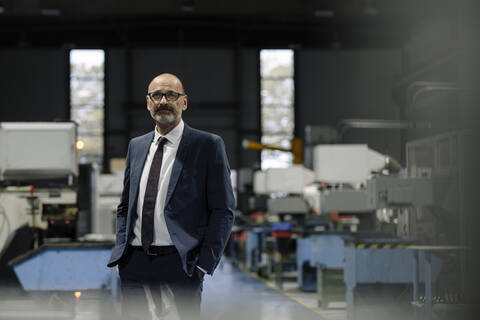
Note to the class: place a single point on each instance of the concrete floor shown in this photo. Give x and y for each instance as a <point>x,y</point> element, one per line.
<point>234,294</point>
<point>230,294</point>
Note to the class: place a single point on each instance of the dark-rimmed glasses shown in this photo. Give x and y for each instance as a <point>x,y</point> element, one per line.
<point>169,95</point>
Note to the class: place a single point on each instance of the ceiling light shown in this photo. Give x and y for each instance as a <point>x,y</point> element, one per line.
<point>323,13</point>
<point>370,8</point>
<point>50,12</point>
<point>187,6</point>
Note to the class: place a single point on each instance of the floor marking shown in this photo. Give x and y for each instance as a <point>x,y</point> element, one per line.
<point>255,276</point>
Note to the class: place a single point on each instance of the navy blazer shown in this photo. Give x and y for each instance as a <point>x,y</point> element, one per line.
<point>199,206</point>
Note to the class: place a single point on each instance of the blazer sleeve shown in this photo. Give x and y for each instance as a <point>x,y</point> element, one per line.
<point>221,204</point>
<point>122,209</point>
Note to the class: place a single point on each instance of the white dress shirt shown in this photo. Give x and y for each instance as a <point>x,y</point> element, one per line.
<point>161,237</point>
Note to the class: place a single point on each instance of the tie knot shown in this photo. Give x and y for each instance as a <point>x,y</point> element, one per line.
<point>162,141</point>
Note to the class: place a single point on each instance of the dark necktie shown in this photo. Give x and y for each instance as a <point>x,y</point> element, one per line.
<point>151,195</point>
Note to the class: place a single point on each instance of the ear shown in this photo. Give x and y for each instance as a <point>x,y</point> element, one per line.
<point>185,103</point>
<point>147,98</point>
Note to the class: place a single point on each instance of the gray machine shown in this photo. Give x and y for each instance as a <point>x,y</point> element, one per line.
<point>38,164</point>
<point>422,203</point>
<point>44,237</point>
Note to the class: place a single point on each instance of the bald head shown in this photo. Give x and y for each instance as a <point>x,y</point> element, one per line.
<point>167,79</point>
<point>164,105</point>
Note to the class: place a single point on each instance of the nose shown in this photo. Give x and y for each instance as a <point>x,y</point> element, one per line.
<point>163,100</point>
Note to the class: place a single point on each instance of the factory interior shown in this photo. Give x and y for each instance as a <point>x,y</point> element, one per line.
<point>349,127</point>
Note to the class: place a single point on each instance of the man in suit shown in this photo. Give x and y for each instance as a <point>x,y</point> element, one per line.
<point>176,210</point>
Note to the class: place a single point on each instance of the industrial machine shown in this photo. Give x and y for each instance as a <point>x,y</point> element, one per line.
<point>371,236</point>
<point>39,211</point>
<point>415,220</point>
<point>38,167</point>
<point>367,228</point>
<point>106,201</point>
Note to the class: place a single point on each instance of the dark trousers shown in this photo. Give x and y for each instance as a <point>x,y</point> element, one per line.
<point>156,287</point>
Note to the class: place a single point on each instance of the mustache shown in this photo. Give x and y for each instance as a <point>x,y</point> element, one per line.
<point>164,108</point>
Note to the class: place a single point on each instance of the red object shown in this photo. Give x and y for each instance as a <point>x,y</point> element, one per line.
<point>282,234</point>
<point>32,189</point>
<point>239,235</point>
<point>257,215</point>
<point>67,221</point>
<point>334,216</point>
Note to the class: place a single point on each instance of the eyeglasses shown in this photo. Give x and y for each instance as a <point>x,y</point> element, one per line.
<point>169,95</point>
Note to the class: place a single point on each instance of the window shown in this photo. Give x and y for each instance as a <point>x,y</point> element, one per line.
<point>87,101</point>
<point>277,108</point>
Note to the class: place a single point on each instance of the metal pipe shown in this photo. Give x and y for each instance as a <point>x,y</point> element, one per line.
<point>346,124</point>
<point>426,86</point>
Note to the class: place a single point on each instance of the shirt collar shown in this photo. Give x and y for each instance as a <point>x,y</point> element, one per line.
<point>173,136</point>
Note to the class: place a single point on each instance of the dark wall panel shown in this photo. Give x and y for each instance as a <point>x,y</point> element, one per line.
<point>249,104</point>
<point>116,106</point>
<point>207,74</point>
<point>33,85</point>
<point>335,85</point>
<point>116,87</point>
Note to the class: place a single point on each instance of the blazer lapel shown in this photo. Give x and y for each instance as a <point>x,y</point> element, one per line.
<point>179,161</point>
<point>139,161</point>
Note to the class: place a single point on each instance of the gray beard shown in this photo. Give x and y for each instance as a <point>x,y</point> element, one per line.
<point>165,120</point>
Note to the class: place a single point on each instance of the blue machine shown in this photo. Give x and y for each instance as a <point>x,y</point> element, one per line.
<point>325,250</point>
<point>282,226</point>
<point>383,266</point>
<point>69,267</point>
<point>253,247</point>
<point>372,272</point>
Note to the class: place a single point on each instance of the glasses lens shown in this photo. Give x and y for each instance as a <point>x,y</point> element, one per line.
<point>157,96</point>
<point>171,96</point>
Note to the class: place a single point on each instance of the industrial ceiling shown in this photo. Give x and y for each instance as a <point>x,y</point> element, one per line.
<point>303,23</point>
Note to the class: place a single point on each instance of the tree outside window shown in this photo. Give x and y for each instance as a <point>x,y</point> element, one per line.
<point>277,108</point>
<point>87,101</point>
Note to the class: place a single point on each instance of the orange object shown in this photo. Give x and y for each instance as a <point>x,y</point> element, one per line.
<point>296,149</point>
<point>334,216</point>
<point>239,235</point>
<point>257,215</point>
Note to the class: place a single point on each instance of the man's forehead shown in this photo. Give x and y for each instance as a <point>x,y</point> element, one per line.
<point>167,82</point>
